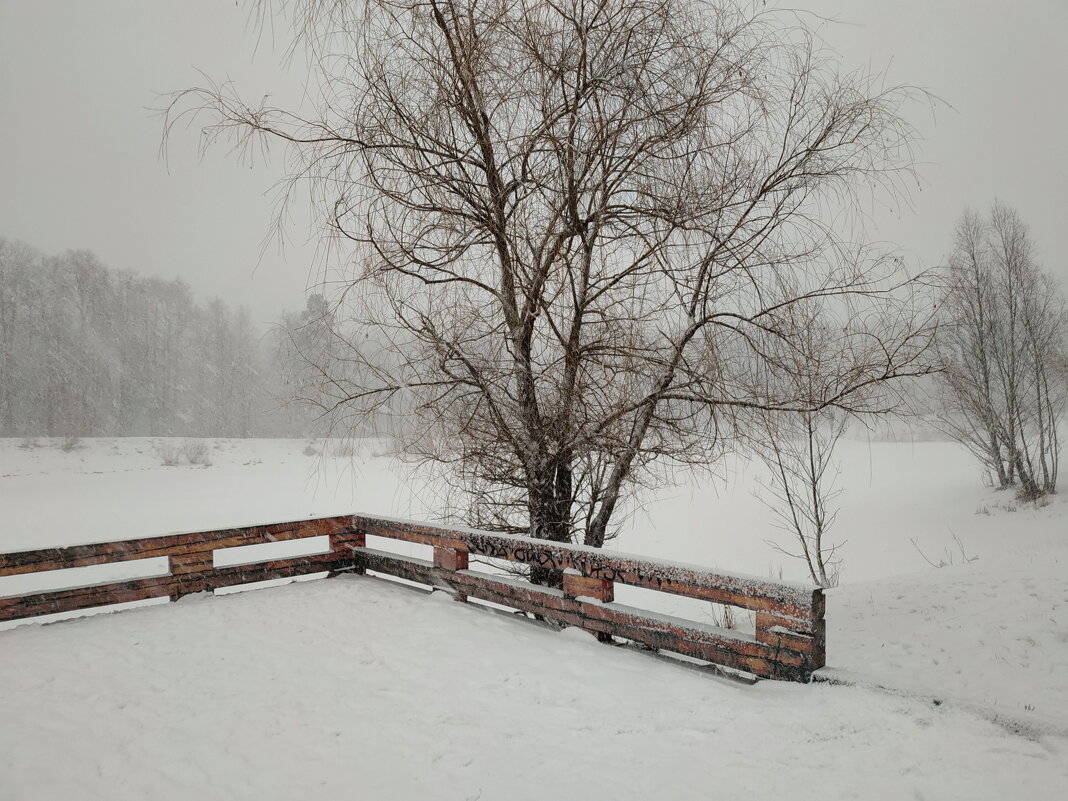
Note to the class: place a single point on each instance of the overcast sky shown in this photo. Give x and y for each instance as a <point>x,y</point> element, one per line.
<point>79,165</point>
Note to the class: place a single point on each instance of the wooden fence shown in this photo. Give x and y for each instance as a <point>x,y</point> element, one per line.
<point>789,639</point>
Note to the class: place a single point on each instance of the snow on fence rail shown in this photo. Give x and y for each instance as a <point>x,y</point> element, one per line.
<point>789,641</point>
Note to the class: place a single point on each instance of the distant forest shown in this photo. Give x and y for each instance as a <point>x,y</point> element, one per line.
<point>88,351</point>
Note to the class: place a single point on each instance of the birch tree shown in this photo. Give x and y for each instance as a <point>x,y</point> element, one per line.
<point>1003,339</point>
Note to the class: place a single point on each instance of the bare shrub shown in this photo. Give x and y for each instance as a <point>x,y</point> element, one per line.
<point>170,454</point>
<point>724,616</point>
<point>948,558</point>
<point>195,451</point>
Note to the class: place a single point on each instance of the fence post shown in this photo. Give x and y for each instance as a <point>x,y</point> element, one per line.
<point>343,544</point>
<point>806,636</point>
<point>190,572</point>
<point>577,585</point>
<point>452,557</point>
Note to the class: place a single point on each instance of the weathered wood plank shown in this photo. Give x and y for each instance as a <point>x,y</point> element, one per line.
<point>174,586</point>
<point>291,567</point>
<point>657,631</point>
<point>749,592</point>
<point>74,599</point>
<point>810,639</point>
<point>736,653</point>
<point>769,620</point>
<point>42,559</point>
<point>450,559</point>
<point>576,585</point>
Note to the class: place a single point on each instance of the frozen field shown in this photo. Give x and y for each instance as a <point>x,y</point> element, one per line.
<point>352,688</point>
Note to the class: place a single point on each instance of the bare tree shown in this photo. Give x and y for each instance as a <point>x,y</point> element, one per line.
<point>970,319</point>
<point>581,230</point>
<point>799,455</point>
<point>91,351</point>
<point>798,450</point>
<point>1003,341</point>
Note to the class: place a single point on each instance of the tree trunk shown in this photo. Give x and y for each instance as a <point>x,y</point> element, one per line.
<point>550,517</point>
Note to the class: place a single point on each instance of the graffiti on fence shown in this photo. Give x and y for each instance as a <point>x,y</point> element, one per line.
<point>552,558</point>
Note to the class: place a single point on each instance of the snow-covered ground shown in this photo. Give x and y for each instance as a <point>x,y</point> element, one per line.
<point>352,688</point>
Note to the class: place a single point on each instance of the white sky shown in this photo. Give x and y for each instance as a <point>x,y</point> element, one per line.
<point>79,165</point>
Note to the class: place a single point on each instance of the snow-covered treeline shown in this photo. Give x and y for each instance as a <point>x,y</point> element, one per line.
<point>90,351</point>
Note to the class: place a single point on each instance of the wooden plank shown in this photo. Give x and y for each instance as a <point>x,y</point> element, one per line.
<point>278,569</point>
<point>407,568</point>
<point>418,533</point>
<point>16,563</point>
<point>291,567</point>
<point>347,539</point>
<point>810,640</point>
<point>739,654</point>
<point>748,592</point>
<point>576,585</point>
<point>769,620</point>
<point>175,586</point>
<point>73,598</point>
<point>657,631</point>
<point>691,631</point>
<point>70,600</point>
<point>719,588</point>
<point>787,640</point>
<point>450,559</point>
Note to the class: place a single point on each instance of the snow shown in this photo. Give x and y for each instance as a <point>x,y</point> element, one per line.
<point>997,638</point>
<point>357,688</point>
<point>283,549</point>
<point>350,688</point>
<point>116,489</point>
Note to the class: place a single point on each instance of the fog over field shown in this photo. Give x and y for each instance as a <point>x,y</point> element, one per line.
<point>96,71</point>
